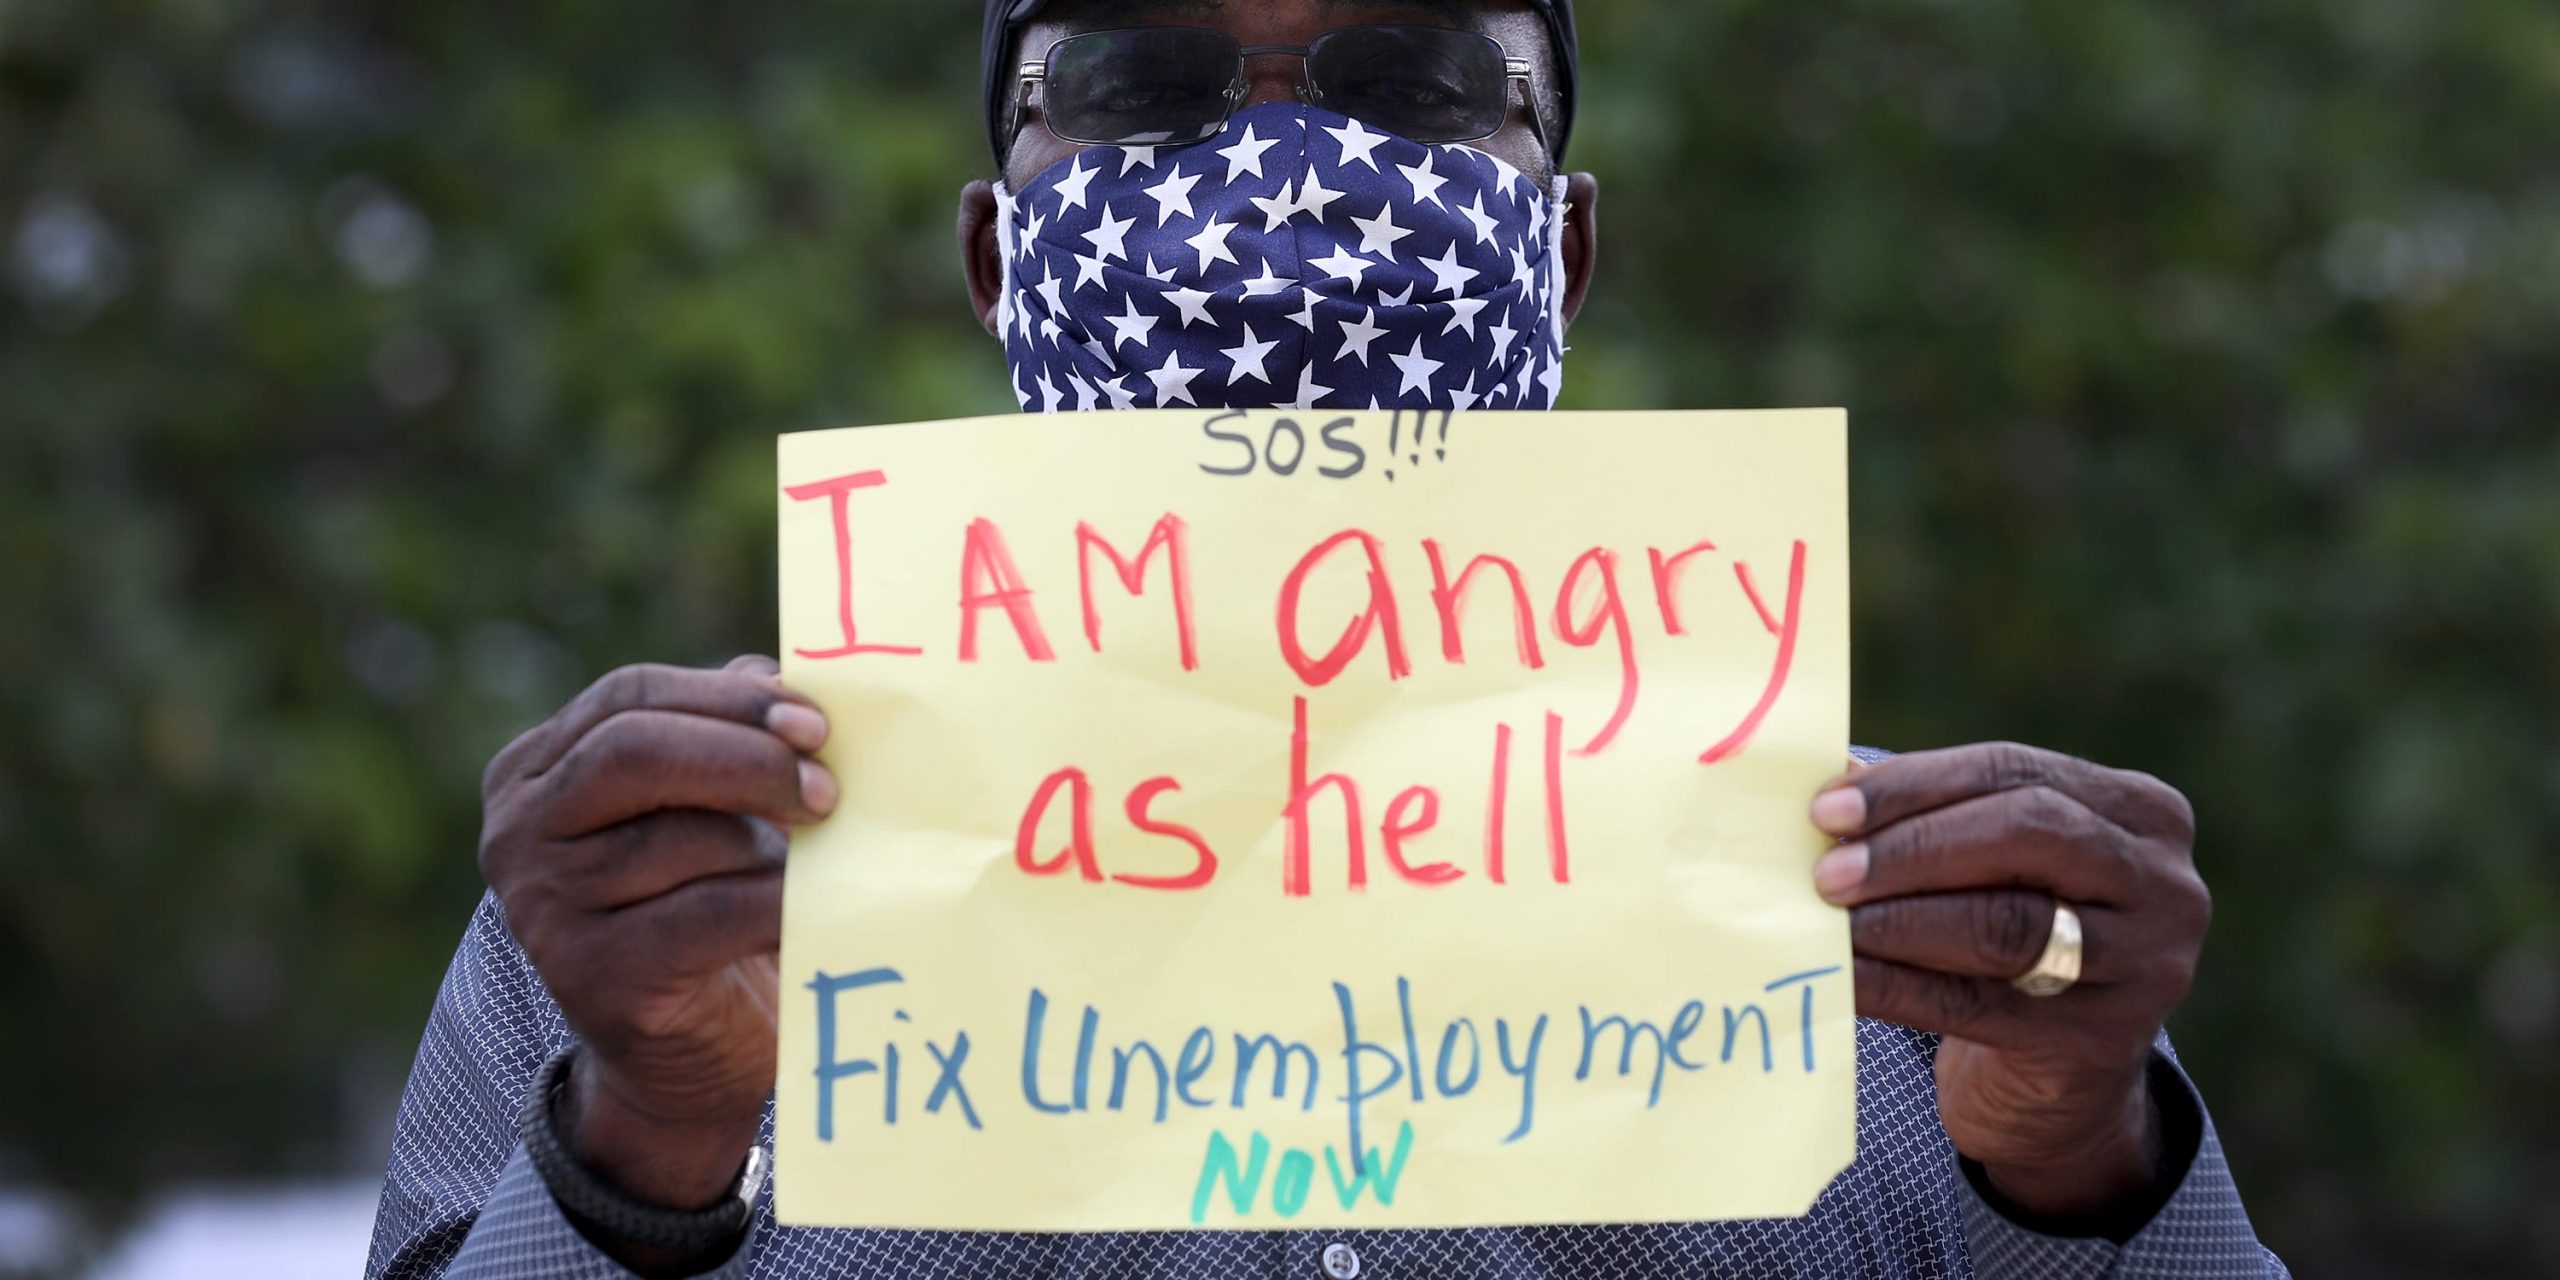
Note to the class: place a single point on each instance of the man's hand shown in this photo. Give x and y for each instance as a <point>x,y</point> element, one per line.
<point>636,840</point>
<point>1955,861</point>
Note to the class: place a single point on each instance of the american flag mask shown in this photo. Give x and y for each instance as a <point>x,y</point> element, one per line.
<point>1299,259</point>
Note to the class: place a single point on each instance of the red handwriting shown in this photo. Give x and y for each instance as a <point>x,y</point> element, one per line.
<point>989,578</point>
<point>1589,610</point>
<point>1410,819</point>
<point>839,495</point>
<point>1666,583</point>
<point>1448,598</point>
<point>1294,876</point>
<point>1378,614</point>
<point>1079,844</point>
<point>1398,828</point>
<point>1411,815</point>
<point>1559,859</point>
<point>1609,610</point>
<point>1081,851</point>
<point>1589,606</point>
<point>1204,867</point>
<point>1167,537</point>
<point>1786,631</point>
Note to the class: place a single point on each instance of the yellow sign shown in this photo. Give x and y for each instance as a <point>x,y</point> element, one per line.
<point>1285,818</point>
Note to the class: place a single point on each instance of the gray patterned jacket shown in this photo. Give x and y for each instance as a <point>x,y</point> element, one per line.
<point>461,1202</point>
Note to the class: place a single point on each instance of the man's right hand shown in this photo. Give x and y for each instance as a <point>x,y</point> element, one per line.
<point>636,840</point>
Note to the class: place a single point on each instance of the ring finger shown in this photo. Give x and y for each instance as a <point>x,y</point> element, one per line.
<point>650,855</point>
<point>1987,934</point>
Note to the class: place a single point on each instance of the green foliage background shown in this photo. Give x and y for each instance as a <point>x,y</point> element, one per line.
<point>372,375</point>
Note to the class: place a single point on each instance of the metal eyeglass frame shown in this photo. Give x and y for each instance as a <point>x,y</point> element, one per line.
<point>1515,71</point>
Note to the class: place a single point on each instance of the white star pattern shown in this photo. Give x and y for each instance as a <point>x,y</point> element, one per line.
<point>1309,391</point>
<point>1317,197</point>
<point>1277,210</point>
<point>1132,327</point>
<point>1246,155</point>
<point>1173,195</point>
<point>1463,313</point>
<point>1342,265</point>
<point>1071,188</point>
<point>1446,275</point>
<point>1111,238</point>
<point>1379,234</point>
<point>1173,382</point>
<point>1193,304</point>
<point>1212,242</point>
<point>1052,291</point>
<point>1357,145</point>
<point>1256,230</point>
<point>1417,369</point>
<point>1358,334</point>
<point>1426,184</point>
<point>1253,351</point>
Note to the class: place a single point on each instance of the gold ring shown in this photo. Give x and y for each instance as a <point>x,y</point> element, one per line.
<point>2059,967</point>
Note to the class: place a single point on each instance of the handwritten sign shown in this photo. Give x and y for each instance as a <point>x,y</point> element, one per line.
<point>1282,819</point>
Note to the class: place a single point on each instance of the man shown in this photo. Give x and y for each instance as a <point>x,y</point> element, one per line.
<point>1335,202</point>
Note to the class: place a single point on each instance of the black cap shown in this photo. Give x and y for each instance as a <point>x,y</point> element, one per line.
<point>1006,17</point>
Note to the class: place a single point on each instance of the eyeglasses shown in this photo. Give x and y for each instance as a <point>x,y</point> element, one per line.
<point>1170,86</point>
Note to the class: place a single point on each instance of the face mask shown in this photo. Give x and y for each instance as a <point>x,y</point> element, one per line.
<point>1299,259</point>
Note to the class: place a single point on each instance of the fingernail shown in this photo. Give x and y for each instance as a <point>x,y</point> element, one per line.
<point>1840,811</point>
<point>800,726</point>
<point>817,788</point>
<point>1838,874</point>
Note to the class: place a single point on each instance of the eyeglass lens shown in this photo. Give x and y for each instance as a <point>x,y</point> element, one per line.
<point>1140,87</point>
<point>1429,84</point>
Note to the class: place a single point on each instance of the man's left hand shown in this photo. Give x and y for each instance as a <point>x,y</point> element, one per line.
<point>1954,863</point>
